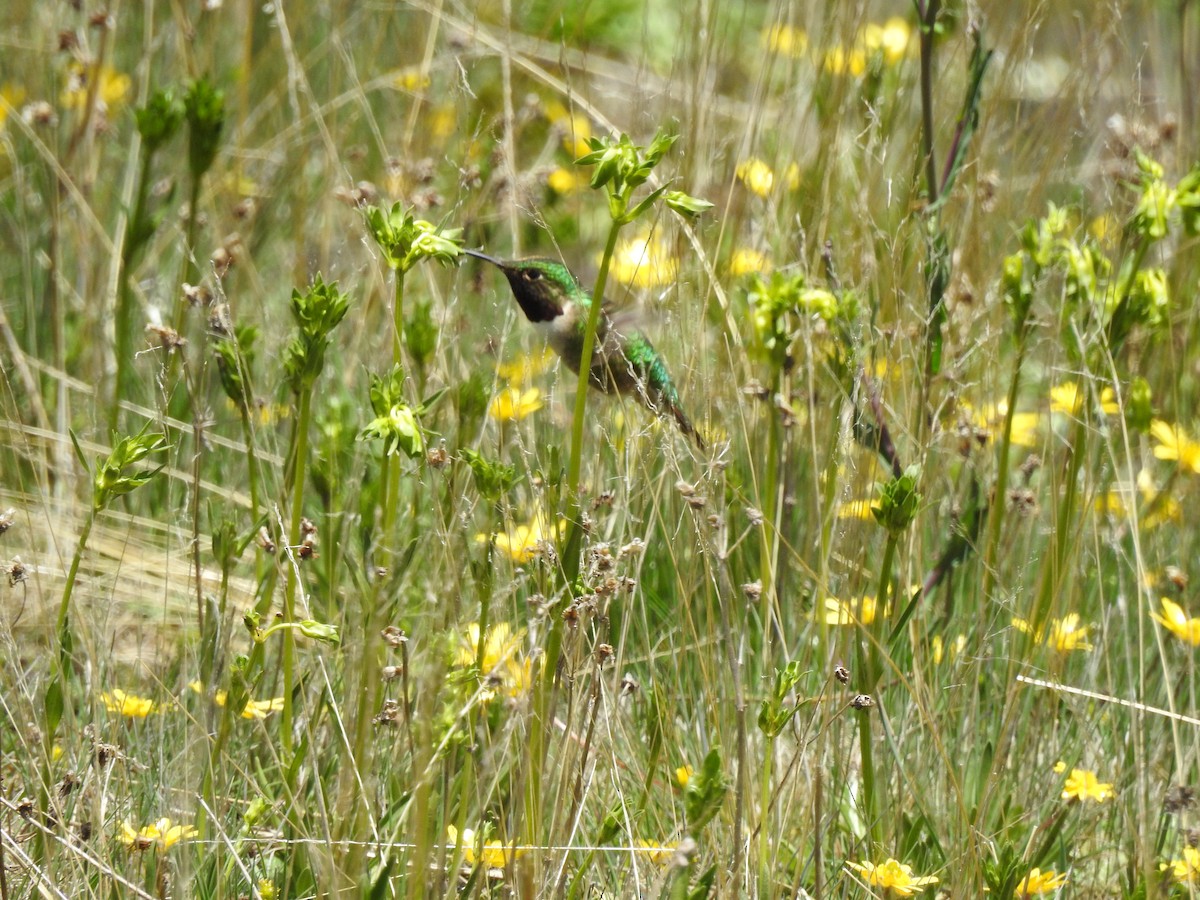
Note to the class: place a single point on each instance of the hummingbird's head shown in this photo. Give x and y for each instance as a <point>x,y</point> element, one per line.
<point>543,287</point>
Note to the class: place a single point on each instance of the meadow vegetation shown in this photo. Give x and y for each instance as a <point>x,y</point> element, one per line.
<point>324,578</point>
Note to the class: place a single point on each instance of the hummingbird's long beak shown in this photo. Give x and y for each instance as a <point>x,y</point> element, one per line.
<point>485,257</point>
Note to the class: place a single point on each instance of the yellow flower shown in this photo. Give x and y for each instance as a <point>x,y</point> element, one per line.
<point>786,40</point>
<point>494,856</point>
<point>574,126</point>
<point>683,775</point>
<point>267,889</point>
<point>1174,443</point>
<point>990,418</point>
<point>412,79</point>
<point>112,88</point>
<point>514,404</point>
<point>1039,882</point>
<point>1068,398</point>
<point>1065,634</point>
<point>161,834</point>
<point>130,705</point>
<point>757,176</point>
<point>1187,869</point>
<point>893,38</point>
<point>839,612</point>
<point>254,709</point>
<point>1060,767</point>
<point>11,97</point>
<point>1176,621</point>
<point>745,261</point>
<point>501,645</point>
<point>567,181</point>
<point>939,649</point>
<point>644,262</point>
<point>857,509</point>
<point>892,874</point>
<point>658,853</point>
<point>524,542</point>
<point>525,366</point>
<point>1082,785</point>
<point>840,61</point>
<point>443,121</point>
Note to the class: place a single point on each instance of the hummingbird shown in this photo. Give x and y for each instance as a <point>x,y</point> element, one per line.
<point>623,359</point>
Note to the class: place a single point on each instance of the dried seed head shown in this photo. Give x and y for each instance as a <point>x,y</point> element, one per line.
<point>437,457</point>
<point>389,715</point>
<point>629,685</point>
<point>1179,798</point>
<point>40,113</point>
<point>697,501</point>
<point>1173,574</point>
<point>685,488</point>
<point>16,572</point>
<point>841,673</point>
<point>604,652</point>
<point>634,548</point>
<point>168,338</point>
<point>605,499</point>
<point>754,516</point>
<point>393,636</point>
<point>264,540</point>
<point>390,673</point>
<point>197,294</point>
<point>752,590</point>
<point>862,701</point>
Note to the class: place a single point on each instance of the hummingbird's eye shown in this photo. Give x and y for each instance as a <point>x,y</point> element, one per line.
<point>531,275</point>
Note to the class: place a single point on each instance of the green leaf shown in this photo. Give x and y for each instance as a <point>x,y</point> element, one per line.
<point>319,631</point>
<point>687,206</point>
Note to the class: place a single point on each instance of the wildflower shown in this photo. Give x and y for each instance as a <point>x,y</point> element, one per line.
<point>839,612</point>
<point>525,366</point>
<point>658,853</point>
<point>785,40</point>
<point>500,645</point>
<point>1186,870</point>
<point>125,704</point>
<point>412,79</point>
<point>643,261</point>
<point>1176,621</point>
<point>857,509</point>
<point>840,61</point>
<point>990,419</point>
<point>892,874</point>
<point>745,261</point>
<point>162,834</point>
<point>523,542</point>
<point>1082,785</point>
<point>1068,398</point>
<point>494,855</point>
<point>254,709</point>
<point>1064,635</point>
<point>757,176</point>
<point>514,404</point>
<point>1039,882</point>
<point>574,127</point>
<point>567,181</point>
<point>113,86</point>
<point>683,775</point>
<point>267,889</point>
<point>1160,508</point>
<point>1174,443</point>
<point>892,38</point>
<point>939,647</point>
<point>11,96</point>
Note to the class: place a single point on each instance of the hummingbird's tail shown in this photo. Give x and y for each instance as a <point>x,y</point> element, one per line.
<point>686,426</point>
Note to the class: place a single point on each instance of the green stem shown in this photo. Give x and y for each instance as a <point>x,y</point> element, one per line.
<point>875,670</point>
<point>1000,493</point>
<point>124,312</point>
<point>64,606</point>
<point>289,595</point>
<point>398,320</point>
<point>769,548</point>
<point>767,839</point>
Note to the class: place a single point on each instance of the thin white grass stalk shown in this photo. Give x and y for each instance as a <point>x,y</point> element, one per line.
<point>1108,698</point>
